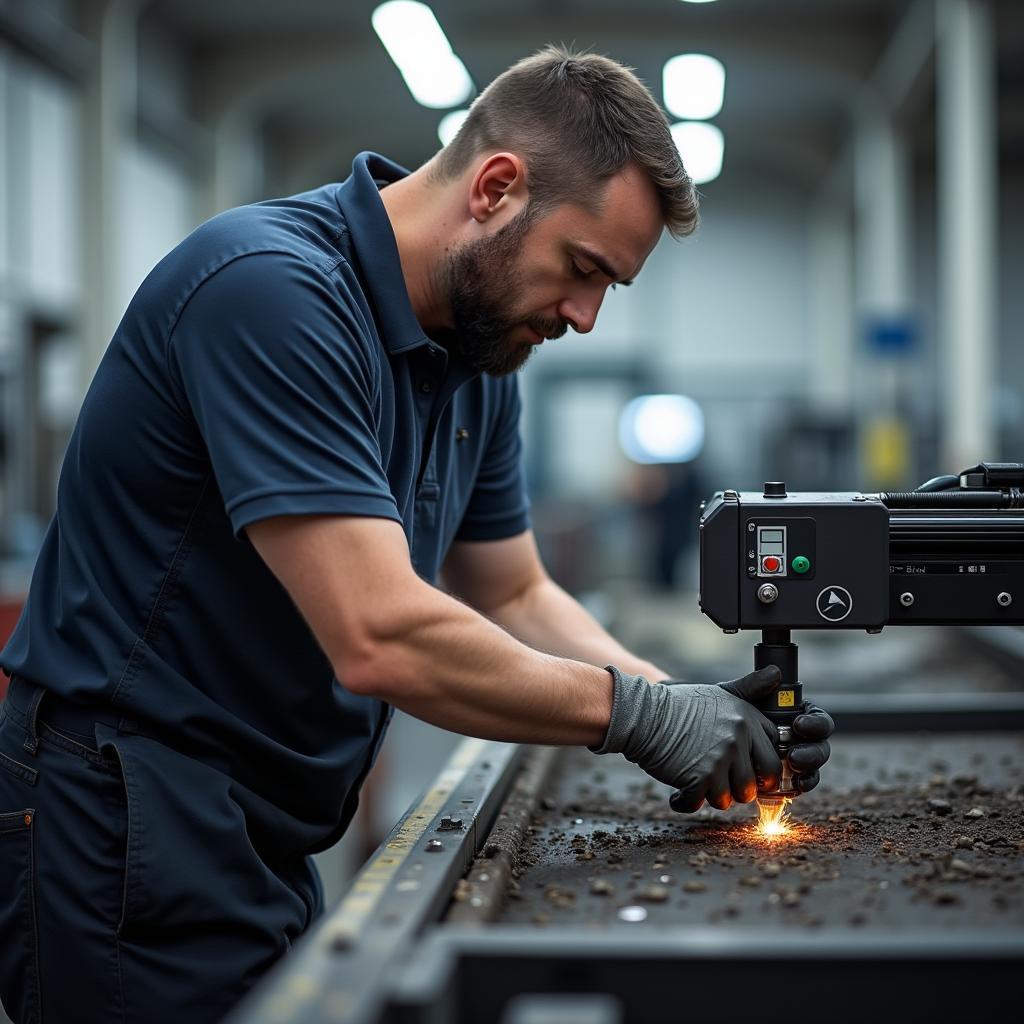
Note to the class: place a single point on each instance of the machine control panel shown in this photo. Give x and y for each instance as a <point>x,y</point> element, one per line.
<point>771,551</point>
<point>793,549</point>
<point>780,547</point>
<point>944,554</point>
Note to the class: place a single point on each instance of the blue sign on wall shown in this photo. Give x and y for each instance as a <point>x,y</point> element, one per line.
<point>892,335</point>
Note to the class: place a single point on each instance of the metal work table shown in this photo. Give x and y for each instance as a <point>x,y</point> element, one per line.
<point>532,885</point>
<point>609,850</point>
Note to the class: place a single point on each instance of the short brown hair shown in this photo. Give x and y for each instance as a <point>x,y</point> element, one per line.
<point>577,119</point>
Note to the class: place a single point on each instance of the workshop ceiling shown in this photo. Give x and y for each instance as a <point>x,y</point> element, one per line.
<point>315,76</point>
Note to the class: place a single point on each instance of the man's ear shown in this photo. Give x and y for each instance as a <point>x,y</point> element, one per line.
<point>498,184</point>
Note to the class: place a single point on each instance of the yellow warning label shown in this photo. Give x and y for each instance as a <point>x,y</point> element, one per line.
<point>785,698</point>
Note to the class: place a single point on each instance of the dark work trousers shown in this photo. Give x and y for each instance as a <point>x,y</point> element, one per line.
<point>129,888</point>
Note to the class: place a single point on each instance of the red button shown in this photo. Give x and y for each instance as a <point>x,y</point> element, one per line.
<point>771,564</point>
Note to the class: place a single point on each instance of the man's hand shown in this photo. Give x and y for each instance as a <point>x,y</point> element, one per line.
<point>811,731</point>
<point>710,742</point>
<point>813,727</point>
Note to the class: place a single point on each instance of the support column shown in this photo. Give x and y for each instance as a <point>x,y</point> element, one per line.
<point>884,315</point>
<point>236,169</point>
<point>12,487</point>
<point>967,229</point>
<point>22,462</point>
<point>882,195</point>
<point>831,305</point>
<point>108,121</point>
<point>884,307</point>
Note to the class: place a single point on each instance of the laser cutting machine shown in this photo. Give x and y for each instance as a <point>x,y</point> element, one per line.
<point>497,888</point>
<point>949,553</point>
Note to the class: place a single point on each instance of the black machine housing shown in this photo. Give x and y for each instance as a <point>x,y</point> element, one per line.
<point>950,553</point>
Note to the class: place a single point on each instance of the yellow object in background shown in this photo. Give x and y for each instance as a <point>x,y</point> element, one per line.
<point>886,452</point>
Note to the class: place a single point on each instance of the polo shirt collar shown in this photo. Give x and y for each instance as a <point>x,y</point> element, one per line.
<point>373,241</point>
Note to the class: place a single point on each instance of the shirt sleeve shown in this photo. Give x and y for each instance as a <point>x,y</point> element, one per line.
<point>498,506</point>
<point>270,359</point>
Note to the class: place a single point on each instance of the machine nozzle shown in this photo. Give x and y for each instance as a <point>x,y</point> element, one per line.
<point>785,790</point>
<point>782,708</point>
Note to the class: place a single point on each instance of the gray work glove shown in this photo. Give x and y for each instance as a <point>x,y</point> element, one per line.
<point>810,748</point>
<point>708,741</point>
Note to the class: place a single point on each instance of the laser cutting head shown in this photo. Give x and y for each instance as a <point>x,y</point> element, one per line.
<point>781,707</point>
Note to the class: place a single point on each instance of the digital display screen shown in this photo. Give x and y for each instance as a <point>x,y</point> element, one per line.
<point>771,541</point>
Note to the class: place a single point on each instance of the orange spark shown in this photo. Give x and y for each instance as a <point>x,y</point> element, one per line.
<point>774,825</point>
<point>773,818</point>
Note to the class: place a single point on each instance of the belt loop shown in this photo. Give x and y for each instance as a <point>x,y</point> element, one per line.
<point>31,743</point>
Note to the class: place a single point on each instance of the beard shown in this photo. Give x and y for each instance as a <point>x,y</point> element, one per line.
<point>483,283</point>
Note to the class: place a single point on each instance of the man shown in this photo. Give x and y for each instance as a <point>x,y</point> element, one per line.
<point>306,414</point>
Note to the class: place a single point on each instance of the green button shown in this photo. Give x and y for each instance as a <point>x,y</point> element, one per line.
<point>801,564</point>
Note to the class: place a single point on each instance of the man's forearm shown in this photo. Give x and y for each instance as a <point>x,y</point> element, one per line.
<point>547,618</point>
<point>396,638</point>
<point>448,665</point>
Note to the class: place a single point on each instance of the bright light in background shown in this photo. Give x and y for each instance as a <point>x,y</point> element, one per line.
<point>693,85</point>
<point>698,1</point>
<point>702,147</point>
<point>450,125</point>
<point>418,46</point>
<point>662,428</point>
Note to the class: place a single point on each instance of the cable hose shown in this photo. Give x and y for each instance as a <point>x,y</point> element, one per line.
<point>940,483</point>
<point>1013,497</point>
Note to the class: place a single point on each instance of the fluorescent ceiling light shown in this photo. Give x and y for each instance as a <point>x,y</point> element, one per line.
<point>450,125</point>
<point>662,428</point>
<point>702,146</point>
<point>693,85</point>
<point>418,46</point>
<point>698,1</point>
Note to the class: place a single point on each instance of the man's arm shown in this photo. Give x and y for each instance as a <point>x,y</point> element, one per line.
<point>506,581</point>
<point>390,635</point>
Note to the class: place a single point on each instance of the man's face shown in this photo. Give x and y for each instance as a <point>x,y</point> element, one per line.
<point>532,279</point>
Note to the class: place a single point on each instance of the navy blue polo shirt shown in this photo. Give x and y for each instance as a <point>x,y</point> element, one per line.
<point>270,365</point>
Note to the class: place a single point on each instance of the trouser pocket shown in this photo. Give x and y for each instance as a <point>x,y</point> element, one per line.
<point>189,860</point>
<point>198,903</point>
<point>19,949</point>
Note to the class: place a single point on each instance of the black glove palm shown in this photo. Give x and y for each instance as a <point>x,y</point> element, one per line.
<point>811,750</point>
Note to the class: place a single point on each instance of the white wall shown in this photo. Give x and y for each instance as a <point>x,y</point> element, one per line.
<point>730,296</point>
<point>729,304</point>
<point>52,266</point>
<point>39,190</point>
<point>721,316</point>
<point>43,132</point>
